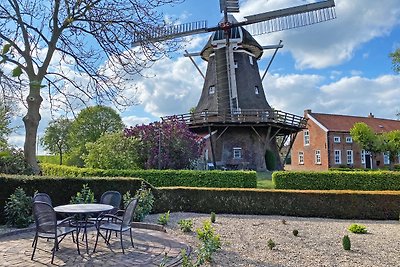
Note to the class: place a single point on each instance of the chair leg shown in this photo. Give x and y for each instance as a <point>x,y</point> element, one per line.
<point>54,249</point>
<point>122,243</point>
<point>34,244</point>
<point>77,241</point>
<point>97,239</point>
<point>130,232</point>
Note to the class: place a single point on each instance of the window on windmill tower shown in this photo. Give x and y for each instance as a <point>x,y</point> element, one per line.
<point>251,60</point>
<point>256,90</point>
<point>235,63</point>
<point>237,153</point>
<point>211,90</point>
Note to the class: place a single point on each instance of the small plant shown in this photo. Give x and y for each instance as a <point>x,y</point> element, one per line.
<point>210,242</point>
<point>84,196</point>
<point>212,218</point>
<point>295,232</point>
<point>271,244</point>
<point>18,209</point>
<point>164,218</point>
<point>186,225</point>
<point>357,228</point>
<point>284,221</point>
<point>145,203</point>
<point>346,242</point>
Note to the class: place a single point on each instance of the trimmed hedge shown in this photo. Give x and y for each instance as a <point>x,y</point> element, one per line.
<point>164,178</point>
<point>61,189</point>
<point>325,204</point>
<point>337,180</point>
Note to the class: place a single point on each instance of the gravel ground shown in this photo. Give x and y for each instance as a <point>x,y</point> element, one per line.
<point>319,242</point>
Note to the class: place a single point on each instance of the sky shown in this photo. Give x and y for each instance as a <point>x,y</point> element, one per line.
<point>340,66</point>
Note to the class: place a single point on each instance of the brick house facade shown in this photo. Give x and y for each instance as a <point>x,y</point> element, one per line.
<point>327,143</point>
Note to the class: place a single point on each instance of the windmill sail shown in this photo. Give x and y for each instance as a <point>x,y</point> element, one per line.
<point>272,21</point>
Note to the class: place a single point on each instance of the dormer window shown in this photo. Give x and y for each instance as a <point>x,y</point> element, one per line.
<point>211,90</point>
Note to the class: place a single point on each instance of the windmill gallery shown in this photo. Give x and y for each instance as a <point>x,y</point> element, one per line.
<point>240,128</point>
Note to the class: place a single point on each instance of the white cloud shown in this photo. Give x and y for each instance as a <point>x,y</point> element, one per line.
<point>350,95</point>
<point>333,42</point>
<point>135,120</point>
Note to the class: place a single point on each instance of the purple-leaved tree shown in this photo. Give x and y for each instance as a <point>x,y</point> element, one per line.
<point>166,145</point>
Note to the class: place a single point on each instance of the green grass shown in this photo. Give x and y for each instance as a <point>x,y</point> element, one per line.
<point>264,180</point>
<point>52,159</point>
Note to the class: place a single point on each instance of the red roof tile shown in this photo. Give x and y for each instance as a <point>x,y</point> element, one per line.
<point>343,123</point>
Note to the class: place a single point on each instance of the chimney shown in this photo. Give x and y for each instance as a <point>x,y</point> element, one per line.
<point>306,112</point>
<point>371,115</point>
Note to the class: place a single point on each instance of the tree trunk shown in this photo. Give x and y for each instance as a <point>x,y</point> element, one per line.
<point>31,121</point>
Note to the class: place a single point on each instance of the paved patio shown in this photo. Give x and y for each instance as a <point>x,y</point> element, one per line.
<point>152,248</point>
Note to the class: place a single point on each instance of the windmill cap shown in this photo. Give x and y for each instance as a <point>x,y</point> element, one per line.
<point>243,37</point>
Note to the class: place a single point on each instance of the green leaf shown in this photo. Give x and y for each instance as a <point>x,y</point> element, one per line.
<point>17,72</point>
<point>6,48</point>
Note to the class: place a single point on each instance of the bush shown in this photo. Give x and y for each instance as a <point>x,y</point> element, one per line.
<point>12,161</point>
<point>346,242</point>
<point>357,228</point>
<point>212,217</point>
<point>163,219</point>
<point>337,180</point>
<point>164,178</point>
<point>210,241</point>
<point>84,196</point>
<point>18,209</point>
<point>145,202</point>
<point>186,225</point>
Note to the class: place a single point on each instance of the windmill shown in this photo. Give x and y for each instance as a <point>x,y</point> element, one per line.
<point>233,115</point>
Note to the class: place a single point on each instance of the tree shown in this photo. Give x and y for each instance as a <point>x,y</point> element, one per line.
<point>112,151</point>
<point>55,138</point>
<point>166,145</point>
<point>396,60</point>
<point>366,138</point>
<point>5,129</point>
<point>391,144</point>
<point>90,124</point>
<point>79,51</point>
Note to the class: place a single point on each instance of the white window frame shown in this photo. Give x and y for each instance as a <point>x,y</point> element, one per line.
<point>256,90</point>
<point>317,156</point>
<point>386,158</point>
<point>350,158</point>
<point>237,152</point>
<point>301,157</point>
<point>336,139</point>
<point>251,60</point>
<point>211,90</point>
<point>338,156</point>
<point>363,153</point>
<point>349,139</point>
<point>306,135</point>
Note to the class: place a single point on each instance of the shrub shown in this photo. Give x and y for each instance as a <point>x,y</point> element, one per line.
<point>145,202</point>
<point>346,242</point>
<point>337,180</point>
<point>84,196</point>
<point>163,219</point>
<point>186,225</point>
<point>18,209</point>
<point>271,244</point>
<point>357,228</point>
<point>210,242</point>
<point>12,161</point>
<point>295,232</point>
<point>212,217</point>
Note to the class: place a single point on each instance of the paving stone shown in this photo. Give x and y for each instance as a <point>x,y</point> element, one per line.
<point>150,249</point>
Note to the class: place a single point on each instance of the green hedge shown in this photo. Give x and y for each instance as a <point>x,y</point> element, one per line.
<point>61,189</point>
<point>329,204</point>
<point>160,178</point>
<point>337,180</point>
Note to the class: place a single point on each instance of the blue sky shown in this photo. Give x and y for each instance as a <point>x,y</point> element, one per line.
<point>340,66</point>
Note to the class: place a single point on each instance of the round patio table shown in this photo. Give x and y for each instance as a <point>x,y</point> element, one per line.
<point>83,209</point>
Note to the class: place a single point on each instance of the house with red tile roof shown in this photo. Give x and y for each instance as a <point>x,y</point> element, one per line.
<point>326,143</point>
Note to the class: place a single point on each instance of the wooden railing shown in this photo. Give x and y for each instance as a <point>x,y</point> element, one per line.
<point>242,116</point>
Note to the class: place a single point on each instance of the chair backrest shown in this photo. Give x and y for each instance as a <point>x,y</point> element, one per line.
<point>43,197</point>
<point>129,211</point>
<point>112,198</point>
<point>45,217</point>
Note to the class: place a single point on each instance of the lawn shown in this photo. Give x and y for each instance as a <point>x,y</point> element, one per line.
<point>264,180</point>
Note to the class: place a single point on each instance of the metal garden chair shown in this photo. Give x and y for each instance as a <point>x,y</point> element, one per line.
<point>116,224</point>
<point>47,227</point>
<point>43,197</point>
